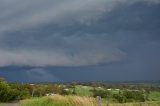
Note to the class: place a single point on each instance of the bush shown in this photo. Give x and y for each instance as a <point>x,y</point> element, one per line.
<point>134,95</point>
<point>102,93</point>
<point>120,98</point>
<point>21,91</point>
<point>129,96</point>
<point>6,93</point>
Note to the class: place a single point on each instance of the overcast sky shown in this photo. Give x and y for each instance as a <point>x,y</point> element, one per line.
<point>74,40</point>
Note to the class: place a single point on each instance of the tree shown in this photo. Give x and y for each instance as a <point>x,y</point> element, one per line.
<point>134,96</point>
<point>6,93</point>
<point>102,93</point>
<point>21,90</point>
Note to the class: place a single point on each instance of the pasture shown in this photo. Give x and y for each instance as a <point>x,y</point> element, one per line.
<point>78,101</point>
<point>84,97</point>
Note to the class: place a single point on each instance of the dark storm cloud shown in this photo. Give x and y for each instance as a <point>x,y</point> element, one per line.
<point>104,35</point>
<point>55,48</point>
<point>41,75</point>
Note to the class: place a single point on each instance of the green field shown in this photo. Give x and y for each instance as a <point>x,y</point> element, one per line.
<point>79,94</point>
<point>84,97</point>
<point>83,90</point>
<point>154,96</point>
<point>77,101</point>
<point>86,90</point>
<point>58,100</point>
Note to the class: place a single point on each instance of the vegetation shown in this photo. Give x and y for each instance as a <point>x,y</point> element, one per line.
<point>58,100</point>
<point>6,93</point>
<point>80,94</point>
<point>154,96</point>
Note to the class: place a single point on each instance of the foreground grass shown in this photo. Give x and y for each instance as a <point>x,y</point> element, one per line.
<point>135,104</point>
<point>58,100</point>
<point>155,96</point>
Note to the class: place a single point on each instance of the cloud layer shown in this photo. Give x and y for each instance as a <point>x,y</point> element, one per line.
<point>19,14</point>
<point>40,75</point>
<point>73,33</point>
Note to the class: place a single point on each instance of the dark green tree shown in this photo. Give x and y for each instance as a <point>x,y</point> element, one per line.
<point>6,93</point>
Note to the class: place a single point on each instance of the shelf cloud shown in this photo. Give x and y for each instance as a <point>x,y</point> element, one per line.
<point>43,33</point>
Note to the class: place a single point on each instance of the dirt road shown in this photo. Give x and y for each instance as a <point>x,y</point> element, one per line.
<point>11,104</point>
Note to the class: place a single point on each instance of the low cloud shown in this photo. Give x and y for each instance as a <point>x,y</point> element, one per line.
<point>39,74</point>
<point>37,58</point>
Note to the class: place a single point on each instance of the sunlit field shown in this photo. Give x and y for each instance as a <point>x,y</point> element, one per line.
<point>85,98</point>
<point>58,100</point>
<point>79,94</point>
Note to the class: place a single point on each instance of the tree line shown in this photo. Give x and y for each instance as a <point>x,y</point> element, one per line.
<point>126,93</point>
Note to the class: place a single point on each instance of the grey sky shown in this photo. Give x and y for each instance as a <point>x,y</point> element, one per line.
<point>104,36</point>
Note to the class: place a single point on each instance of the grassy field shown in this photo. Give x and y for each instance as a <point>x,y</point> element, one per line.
<point>85,98</point>
<point>86,90</point>
<point>154,96</point>
<point>58,100</point>
<point>83,90</point>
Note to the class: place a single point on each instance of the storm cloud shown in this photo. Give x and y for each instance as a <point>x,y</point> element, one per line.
<point>77,33</point>
<point>40,75</point>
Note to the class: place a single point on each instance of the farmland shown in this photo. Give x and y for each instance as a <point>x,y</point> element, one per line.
<point>77,101</point>
<point>80,94</point>
<point>86,99</point>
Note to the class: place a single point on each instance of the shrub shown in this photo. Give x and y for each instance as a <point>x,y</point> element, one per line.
<point>6,93</point>
<point>129,96</point>
<point>102,93</point>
